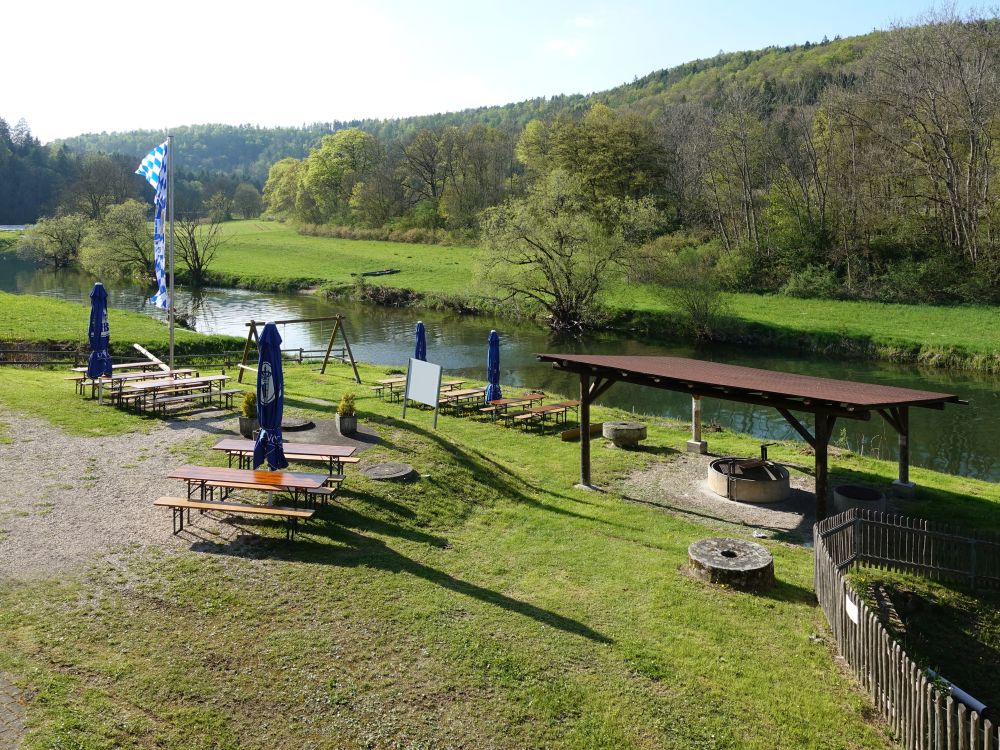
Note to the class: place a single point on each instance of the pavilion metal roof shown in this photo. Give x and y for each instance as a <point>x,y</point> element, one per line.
<point>738,383</point>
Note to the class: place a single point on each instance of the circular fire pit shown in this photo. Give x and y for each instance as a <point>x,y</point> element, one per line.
<point>624,434</point>
<point>847,496</point>
<point>743,565</point>
<point>749,480</point>
<point>295,424</point>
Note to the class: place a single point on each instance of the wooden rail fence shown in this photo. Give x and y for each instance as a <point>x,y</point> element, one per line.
<point>922,714</point>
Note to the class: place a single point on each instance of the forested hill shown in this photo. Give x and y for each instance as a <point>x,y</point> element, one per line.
<point>788,75</point>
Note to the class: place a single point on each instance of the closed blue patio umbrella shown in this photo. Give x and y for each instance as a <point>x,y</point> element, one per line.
<point>420,351</point>
<point>99,364</point>
<point>493,367</point>
<point>270,400</point>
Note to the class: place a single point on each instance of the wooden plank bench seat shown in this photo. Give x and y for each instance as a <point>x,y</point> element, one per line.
<point>194,394</point>
<point>180,504</point>
<point>322,493</point>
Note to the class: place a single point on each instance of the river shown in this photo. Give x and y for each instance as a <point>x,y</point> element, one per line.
<point>962,440</point>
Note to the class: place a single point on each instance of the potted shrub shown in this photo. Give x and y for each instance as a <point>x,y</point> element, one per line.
<point>347,418</point>
<point>248,415</point>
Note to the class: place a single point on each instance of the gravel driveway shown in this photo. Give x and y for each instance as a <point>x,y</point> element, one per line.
<point>64,499</point>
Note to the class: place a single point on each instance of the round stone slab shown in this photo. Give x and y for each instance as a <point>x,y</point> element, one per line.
<point>624,434</point>
<point>387,471</point>
<point>294,424</point>
<point>738,563</point>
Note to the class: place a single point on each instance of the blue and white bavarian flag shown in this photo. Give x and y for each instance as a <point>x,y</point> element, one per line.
<point>154,169</point>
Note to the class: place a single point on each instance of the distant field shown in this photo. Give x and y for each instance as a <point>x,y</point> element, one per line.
<point>268,251</point>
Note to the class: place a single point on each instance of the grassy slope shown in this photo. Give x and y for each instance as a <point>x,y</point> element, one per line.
<point>487,605</point>
<point>272,253</point>
<point>26,317</point>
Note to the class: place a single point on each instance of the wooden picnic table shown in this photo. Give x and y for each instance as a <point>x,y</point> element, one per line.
<point>501,405</point>
<point>122,366</point>
<point>97,384</point>
<point>461,396</point>
<point>332,454</point>
<point>148,391</point>
<point>540,413</point>
<point>395,386</point>
<point>209,478</point>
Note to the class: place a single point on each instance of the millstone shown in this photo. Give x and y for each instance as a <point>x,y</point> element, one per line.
<point>387,471</point>
<point>624,434</point>
<point>738,563</point>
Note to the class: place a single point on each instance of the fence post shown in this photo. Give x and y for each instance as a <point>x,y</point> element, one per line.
<point>972,562</point>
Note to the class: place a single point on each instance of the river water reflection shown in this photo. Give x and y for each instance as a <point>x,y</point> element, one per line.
<point>960,440</point>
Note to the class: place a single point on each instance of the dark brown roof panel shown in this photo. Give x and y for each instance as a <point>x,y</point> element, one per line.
<point>684,372</point>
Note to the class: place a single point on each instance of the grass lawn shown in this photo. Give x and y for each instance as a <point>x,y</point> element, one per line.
<point>258,252</point>
<point>25,317</point>
<point>952,630</point>
<point>488,604</point>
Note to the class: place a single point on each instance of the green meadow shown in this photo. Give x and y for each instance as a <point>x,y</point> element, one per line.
<point>487,604</point>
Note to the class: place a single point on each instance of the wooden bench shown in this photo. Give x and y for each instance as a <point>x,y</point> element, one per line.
<point>540,413</point>
<point>178,505</point>
<point>193,395</point>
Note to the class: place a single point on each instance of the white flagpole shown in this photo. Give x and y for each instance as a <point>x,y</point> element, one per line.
<point>170,201</point>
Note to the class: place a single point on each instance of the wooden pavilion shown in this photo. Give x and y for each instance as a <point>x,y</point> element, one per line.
<point>826,399</point>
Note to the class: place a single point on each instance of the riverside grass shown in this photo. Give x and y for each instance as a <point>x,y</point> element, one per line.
<point>488,604</point>
<point>272,255</point>
<point>42,320</point>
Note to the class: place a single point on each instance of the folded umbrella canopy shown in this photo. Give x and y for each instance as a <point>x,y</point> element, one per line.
<point>493,367</point>
<point>420,351</point>
<point>99,364</point>
<point>270,400</point>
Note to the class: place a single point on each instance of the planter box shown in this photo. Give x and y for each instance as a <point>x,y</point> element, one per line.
<point>248,427</point>
<point>347,425</point>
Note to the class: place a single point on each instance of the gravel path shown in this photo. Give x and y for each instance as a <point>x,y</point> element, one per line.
<point>680,485</point>
<point>65,498</point>
<point>11,714</point>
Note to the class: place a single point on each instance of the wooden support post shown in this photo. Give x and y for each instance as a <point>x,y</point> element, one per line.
<point>251,334</point>
<point>824,424</point>
<point>584,429</point>
<point>696,444</point>
<point>903,486</point>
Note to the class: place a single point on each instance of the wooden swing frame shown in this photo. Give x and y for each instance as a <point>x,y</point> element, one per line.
<point>338,327</point>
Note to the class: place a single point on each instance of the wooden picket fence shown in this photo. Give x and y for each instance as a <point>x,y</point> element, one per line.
<point>921,714</point>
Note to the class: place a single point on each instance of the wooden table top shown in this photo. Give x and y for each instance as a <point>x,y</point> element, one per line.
<point>463,393</point>
<point>391,381</point>
<point>527,398</point>
<point>292,480</point>
<point>319,450</point>
<point>152,384</point>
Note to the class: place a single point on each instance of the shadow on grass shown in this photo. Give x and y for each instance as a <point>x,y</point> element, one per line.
<point>352,549</point>
<point>942,506</point>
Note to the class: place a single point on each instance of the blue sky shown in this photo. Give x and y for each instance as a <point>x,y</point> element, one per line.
<point>84,67</point>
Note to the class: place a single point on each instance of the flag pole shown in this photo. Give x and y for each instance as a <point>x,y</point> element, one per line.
<point>170,203</point>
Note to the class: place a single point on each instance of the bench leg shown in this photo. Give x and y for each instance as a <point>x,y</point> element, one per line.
<point>179,519</point>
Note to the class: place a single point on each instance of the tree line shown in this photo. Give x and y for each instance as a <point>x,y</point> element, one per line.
<point>882,184</point>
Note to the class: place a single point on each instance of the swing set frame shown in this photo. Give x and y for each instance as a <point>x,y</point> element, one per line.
<point>338,327</point>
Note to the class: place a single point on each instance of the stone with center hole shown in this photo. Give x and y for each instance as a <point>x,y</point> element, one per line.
<point>738,563</point>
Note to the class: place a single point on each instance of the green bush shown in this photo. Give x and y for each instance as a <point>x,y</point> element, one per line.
<point>249,406</point>
<point>812,281</point>
<point>346,406</point>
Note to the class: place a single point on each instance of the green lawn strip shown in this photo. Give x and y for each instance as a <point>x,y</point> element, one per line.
<point>260,254</point>
<point>948,628</point>
<point>41,320</point>
<point>488,603</point>
<point>906,332</point>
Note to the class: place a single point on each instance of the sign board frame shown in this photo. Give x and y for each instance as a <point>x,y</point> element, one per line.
<point>423,385</point>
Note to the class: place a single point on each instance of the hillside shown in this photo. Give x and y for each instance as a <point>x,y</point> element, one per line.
<point>790,75</point>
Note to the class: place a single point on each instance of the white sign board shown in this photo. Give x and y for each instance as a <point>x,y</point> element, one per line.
<point>423,385</point>
<point>852,610</point>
